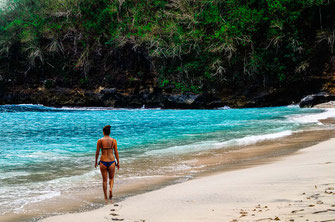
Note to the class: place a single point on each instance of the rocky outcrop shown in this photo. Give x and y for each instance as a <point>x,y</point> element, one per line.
<point>315,99</point>
<point>155,97</point>
<point>190,101</point>
<point>111,97</point>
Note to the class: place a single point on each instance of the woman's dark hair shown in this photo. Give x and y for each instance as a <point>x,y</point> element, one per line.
<point>107,130</point>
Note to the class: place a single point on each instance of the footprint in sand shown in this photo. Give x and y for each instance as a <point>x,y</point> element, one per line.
<point>113,214</point>
<point>295,211</point>
<point>268,218</point>
<point>323,211</point>
<point>243,213</point>
<point>328,192</point>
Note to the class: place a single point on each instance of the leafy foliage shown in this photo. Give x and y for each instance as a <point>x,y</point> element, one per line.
<point>192,44</point>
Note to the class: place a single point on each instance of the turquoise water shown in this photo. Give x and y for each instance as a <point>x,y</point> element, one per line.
<point>45,150</point>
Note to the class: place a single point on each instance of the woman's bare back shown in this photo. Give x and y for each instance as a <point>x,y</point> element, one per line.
<point>107,146</point>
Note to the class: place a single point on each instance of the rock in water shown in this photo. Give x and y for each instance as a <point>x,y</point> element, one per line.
<point>312,100</point>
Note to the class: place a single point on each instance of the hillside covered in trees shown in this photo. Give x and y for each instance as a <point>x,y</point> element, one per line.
<point>133,53</point>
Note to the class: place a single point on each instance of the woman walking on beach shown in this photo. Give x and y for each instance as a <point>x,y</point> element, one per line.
<point>107,161</point>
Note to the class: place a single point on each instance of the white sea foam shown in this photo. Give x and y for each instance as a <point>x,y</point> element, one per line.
<point>73,179</point>
<point>205,145</point>
<point>21,202</point>
<point>36,192</point>
<point>25,104</point>
<point>24,197</point>
<point>105,108</point>
<point>313,118</point>
<point>253,139</point>
<point>85,108</point>
<point>15,174</point>
<point>223,108</point>
<point>293,106</point>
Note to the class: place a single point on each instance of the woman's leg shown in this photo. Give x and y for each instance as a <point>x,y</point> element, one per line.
<point>111,171</point>
<point>103,170</point>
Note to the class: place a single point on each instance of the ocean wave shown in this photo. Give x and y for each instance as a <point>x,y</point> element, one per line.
<point>206,145</point>
<point>248,140</point>
<point>36,192</point>
<point>106,108</point>
<point>29,200</point>
<point>37,107</point>
<point>26,108</point>
<point>18,203</point>
<point>313,118</point>
<point>85,108</point>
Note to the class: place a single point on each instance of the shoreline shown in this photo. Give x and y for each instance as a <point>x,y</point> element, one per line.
<point>214,161</point>
<point>236,158</point>
<point>293,187</point>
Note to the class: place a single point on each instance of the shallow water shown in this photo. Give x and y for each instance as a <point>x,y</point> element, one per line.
<point>45,151</point>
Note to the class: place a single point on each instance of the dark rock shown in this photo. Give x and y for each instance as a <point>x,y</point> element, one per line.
<point>93,99</point>
<point>206,100</point>
<point>180,101</point>
<point>312,100</point>
<point>272,97</point>
<point>152,100</point>
<point>190,101</point>
<point>215,104</point>
<point>127,101</point>
<point>111,91</point>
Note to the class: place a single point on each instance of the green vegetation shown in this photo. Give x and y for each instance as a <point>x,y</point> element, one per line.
<point>193,45</point>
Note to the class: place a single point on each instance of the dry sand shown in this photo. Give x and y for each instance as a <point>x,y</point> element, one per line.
<point>299,187</point>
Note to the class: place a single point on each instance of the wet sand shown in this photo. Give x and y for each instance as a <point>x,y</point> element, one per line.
<point>297,187</point>
<point>199,164</point>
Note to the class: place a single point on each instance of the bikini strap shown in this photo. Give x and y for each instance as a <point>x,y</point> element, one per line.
<point>106,148</point>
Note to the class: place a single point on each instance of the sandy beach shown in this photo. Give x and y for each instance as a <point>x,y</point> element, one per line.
<point>298,187</point>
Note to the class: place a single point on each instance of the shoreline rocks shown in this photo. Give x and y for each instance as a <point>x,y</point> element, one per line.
<point>155,98</point>
<point>316,99</point>
<point>111,97</point>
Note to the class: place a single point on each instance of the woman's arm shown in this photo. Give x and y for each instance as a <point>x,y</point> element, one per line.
<point>116,155</point>
<point>97,154</point>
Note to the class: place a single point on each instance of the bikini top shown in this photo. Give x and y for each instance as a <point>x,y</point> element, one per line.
<point>107,148</point>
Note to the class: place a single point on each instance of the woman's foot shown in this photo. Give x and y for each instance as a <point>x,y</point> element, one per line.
<point>110,195</point>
